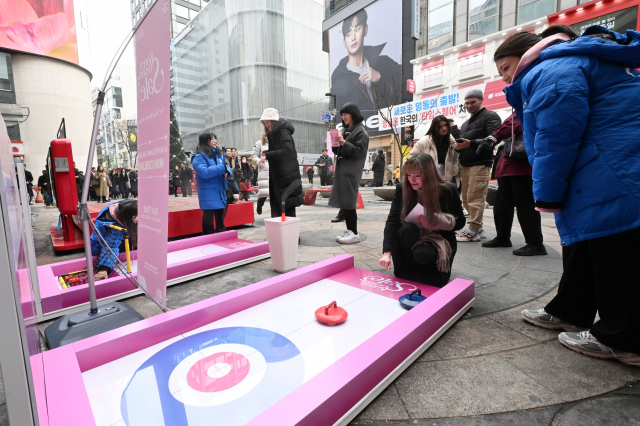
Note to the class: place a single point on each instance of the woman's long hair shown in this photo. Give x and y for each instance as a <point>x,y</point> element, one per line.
<point>519,43</point>
<point>432,183</point>
<point>125,212</point>
<point>433,130</point>
<point>203,144</point>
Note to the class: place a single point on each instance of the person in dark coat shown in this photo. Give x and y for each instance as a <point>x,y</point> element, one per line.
<point>323,164</point>
<point>350,157</point>
<point>175,179</point>
<point>124,180</point>
<point>185,182</point>
<point>45,189</point>
<point>28,177</point>
<point>211,177</point>
<point>113,189</point>
<point>422,253</point>
<point>284,168</point>
<point>189,184</point>
<point>310,174</point>
<point>133,179</point>
<point>378,169</point>
<point>247,171</point>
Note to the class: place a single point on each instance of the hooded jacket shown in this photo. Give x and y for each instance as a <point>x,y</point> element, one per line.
<point>212,185</point>
<point>577,101</point>
<point>346,84</point>
<point>283,166</point>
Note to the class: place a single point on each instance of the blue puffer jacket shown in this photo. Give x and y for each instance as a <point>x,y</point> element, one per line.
<point>112,237</point>
<point>212,185</point>
<point>580,112</point>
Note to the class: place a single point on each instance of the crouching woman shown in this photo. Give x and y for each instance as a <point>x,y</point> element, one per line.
<point>423,247</point>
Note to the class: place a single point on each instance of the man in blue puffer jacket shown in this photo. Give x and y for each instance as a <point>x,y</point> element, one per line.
<point>211,177</point>
<point>577,99</point>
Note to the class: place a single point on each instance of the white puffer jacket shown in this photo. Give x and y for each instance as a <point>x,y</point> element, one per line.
<point>263,169</point>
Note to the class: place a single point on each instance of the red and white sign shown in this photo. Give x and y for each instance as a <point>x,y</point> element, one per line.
<point>411,86</point>
<point>152,62</point>
<point>494,97</point>
<point>17,148</point>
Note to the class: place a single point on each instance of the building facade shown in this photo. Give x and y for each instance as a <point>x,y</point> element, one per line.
<point>231,61</point>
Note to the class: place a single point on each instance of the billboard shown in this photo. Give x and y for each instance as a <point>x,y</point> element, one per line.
<point>365,59</point>
<point>619,21</point>
<point>43,27</point>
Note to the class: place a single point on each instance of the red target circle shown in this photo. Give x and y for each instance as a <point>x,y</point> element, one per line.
<point>218,372</point>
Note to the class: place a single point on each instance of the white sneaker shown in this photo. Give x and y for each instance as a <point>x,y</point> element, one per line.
<point>349,238</point>
<point>482,234</point>
<point>342,235</point>
<point>463,230</point>
<point>469,235</point>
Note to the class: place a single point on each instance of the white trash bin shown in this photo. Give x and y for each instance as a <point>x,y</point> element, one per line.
<point>283,242</point>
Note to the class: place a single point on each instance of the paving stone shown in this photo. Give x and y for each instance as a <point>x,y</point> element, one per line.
<point>569,374</point>
<point>497,263</point>
<point>429,355</point>
<point>144,306</point>
<point>185,294</point>
<point>614,410</point>
<point>4,416</point>
<point>2,396</point>
<point>502,294</point>
<point>513,319</point>
<point>541,279</point>
<point>387,406</point>
<point>468,386</point>
<point>541,263</point>
<point>481,336</point>
<point>476,273</point>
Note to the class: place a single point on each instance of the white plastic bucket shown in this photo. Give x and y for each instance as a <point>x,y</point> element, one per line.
<point>283,242</point>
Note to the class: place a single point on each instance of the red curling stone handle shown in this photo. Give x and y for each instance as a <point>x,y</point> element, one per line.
<point>326,309</point>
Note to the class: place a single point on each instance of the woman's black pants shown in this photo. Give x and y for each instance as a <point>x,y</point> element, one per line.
<point>600,275</point>
<point>517,191</point>
<point>208,221</point>
<point>351,219</point>
<point>418,264</point>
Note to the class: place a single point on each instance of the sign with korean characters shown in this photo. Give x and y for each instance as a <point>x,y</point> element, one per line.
<point>152,66</point>
<point>422,110</point>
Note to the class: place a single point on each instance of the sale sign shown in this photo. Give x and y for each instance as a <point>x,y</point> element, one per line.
<point>152,66</point>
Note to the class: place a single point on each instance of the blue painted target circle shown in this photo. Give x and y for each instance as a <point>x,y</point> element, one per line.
<point>231,373</point>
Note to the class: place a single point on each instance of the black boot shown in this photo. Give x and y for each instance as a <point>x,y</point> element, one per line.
<point>261,202</point>
<point>338,218</point>
<point>496,242</point>
<point>529,250</point>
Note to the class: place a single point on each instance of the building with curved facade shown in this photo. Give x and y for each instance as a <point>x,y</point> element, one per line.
<point>236,58</point>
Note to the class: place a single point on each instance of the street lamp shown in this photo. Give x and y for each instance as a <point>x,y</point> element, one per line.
<point>335,107</point>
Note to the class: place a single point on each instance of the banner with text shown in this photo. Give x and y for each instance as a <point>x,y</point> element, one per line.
<point>152,65</point>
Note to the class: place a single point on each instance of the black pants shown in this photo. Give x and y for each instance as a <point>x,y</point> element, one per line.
<point>419,264</point>
<point>517,191</point>
<point>184,187</point>
<point>351,218</point>
<point>601,275</point>
<point>189,189</point>
<point>208,221</point>
<point>311,179</point>
<point>323,180</point>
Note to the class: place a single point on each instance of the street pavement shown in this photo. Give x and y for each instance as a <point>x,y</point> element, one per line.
<point>490,368</point>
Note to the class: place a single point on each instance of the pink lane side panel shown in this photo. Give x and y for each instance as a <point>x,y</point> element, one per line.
<point>67,400</point>
<point>39,388</point>
<point>324,399</point>
<point>106,347</point>
<point>384,285</point>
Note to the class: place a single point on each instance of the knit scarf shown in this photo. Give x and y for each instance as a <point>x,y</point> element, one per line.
<point>445,222</point>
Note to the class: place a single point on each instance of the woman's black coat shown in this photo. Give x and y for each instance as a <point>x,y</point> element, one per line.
<point>283,166</point>
<point>349,160</point>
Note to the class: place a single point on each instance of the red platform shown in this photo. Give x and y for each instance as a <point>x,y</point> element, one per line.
<point>185,217</point>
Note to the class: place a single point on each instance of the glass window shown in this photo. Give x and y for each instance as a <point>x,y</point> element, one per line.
<point>5,81</point>
<point>440,25</point>
<point>471,66</point>
<point>483,18</point>
<point>181,11</point>
<point>532,9</point>
<point>433,76</point>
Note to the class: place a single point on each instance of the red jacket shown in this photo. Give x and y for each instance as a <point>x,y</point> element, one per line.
<point>505,167</point>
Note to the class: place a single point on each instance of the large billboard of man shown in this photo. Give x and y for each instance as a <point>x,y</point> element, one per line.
<point>366,53</point>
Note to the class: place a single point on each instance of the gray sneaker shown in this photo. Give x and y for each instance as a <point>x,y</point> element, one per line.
<point>584,343</point>
<point>543,319</point>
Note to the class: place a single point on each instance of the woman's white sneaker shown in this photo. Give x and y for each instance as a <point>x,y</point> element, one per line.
<point>349,238</point>
<point>543,319</point>
<point>341,235</point>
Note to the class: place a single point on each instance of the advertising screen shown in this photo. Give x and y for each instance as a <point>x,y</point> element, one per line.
<point>43,27</point>
<point>365,59</point>
<point>619,21</point>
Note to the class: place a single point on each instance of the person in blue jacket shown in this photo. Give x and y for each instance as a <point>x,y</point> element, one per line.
<point>211,177</point>
<point>577,100</point>
<point>123,214</point>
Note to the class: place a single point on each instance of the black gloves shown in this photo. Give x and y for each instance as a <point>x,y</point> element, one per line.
<point>485,146</point>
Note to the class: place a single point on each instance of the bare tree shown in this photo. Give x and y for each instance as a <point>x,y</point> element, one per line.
<point>124,135</point>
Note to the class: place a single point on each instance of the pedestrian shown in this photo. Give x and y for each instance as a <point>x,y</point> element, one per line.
<point>211,178</point>
<point>234,166</point>
<point>247,171</point>
<point>254,180</point>
<point>396,175</point>
<point>102,191</point>
<point>184,180</point>
<point>440,145</point>
<point>190,183</point>
<point>515,190</point>
<point>562,88</point>
<point>133,178</point>
<point>113,188</point>
<point>284,168</point>
<point>122,214</point>
<point>175,179</point>
<point>77,176</point>
<point>378,169</point>
<point>28,177</point>
<point>389,173</point>
<point>93,184</point>
<point>262,145</point>
<point>45,189</point>
<point>422,248</point>
<point>310,174</point>
<point>323,164</point>
<point>476,163</point>
<point>350,158</point>
<point>124,183</point>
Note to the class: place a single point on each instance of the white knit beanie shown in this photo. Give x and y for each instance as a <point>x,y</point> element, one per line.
<point>270,114</point>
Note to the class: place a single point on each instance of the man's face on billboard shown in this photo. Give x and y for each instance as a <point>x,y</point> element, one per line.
<point>354,40</point>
